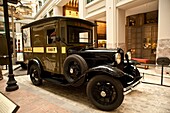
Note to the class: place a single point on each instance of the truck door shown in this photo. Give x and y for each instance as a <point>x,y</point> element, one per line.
<point>52,45</point>
<point>4,59</point>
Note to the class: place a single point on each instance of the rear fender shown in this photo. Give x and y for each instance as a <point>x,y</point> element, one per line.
<point>106,69</point>
<point>31,62</point>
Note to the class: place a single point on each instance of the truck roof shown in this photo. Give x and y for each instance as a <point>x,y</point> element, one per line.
<point>44,20</point>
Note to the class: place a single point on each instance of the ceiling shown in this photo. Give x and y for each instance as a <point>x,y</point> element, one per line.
<point>127,4</point>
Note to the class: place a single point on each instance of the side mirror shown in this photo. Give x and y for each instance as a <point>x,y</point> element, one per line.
<point>58,38</point>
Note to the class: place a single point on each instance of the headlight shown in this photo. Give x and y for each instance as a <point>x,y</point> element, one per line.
<point>129,55</point>
<point>118,58</point>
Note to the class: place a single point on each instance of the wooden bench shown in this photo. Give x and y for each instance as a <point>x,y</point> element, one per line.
<point>142,60</point>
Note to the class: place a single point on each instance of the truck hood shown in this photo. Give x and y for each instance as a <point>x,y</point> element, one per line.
<point>101,50</point>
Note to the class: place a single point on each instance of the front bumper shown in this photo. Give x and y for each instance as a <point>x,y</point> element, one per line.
<point>134,84</point>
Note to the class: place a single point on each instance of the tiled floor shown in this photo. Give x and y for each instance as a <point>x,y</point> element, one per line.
<point>49,98</point>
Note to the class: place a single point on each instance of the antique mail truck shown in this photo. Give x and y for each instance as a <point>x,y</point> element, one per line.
<point>60,50</point>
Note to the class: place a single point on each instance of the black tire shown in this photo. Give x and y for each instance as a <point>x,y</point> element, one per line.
<point>105,92</point>
<point>35,75</point>
<point>74,67</point>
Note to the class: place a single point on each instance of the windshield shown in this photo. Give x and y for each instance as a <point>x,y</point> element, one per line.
<point>79,35</point>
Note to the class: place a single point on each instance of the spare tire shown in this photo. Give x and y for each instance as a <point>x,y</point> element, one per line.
<point>74,67</point>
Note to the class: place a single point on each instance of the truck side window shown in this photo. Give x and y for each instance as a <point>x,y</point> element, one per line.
<point>78,35</point>
<point>51,36</point>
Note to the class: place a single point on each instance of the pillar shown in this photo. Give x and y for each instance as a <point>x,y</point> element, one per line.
<point>163,48</point>
<point>121,20</point>
<point>58,11</point>
<point>18,27</point>
<point>33,9</point>
<point>81,6</point>
<point>111,23</point>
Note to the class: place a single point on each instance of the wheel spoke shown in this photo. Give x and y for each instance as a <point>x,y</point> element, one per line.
<point>75,68</point>
<point>35,75</point>
<point>104,92</point>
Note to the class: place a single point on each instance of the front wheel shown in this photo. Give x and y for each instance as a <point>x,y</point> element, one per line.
<point>105,92</point>
<point>35,75</point>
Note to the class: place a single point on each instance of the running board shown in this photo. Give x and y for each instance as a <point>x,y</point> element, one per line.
<point>57,81</point>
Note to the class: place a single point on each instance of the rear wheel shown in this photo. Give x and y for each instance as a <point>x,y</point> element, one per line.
<point>105,92</point>
<point>74,67</point>
<point>35,75</point>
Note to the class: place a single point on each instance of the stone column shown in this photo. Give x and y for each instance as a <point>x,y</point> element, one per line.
<point>33,9</point>
<point>82,8</point>
<point>163,45</point>
<point>58,11</point>
<point>18,27</point>
<point>121,20</point>
<point>48,14</point>
<point>111,23</point>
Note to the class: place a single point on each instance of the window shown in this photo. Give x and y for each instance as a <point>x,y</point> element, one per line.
<point>45,1</point>
<point>26,37</point>
<point>45,16</point>
<point>37,35</point>
<point>51,36</point>
<point>51,13</point>
<point>83,37</point>
<point>88,1</point>
<point>39,3</point>
<point>79,35</point>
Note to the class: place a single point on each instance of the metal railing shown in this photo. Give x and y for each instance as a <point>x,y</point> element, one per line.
<point>155,74</point>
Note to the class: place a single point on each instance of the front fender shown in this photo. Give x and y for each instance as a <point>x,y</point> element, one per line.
<point>132,62</point>
<point>106,69</point>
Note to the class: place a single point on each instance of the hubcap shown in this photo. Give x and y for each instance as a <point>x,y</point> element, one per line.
<point>74,70</point>
<point>35,75</point>
<point>71,70</point>
<point>103,93</point>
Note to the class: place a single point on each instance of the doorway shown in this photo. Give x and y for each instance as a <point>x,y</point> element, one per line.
<point>142,35</point>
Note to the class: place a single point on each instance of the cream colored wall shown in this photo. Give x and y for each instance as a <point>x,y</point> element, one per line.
<point>58,11</point>
<point>56,5</point>
<point>148,7</point>
<point>95,9</point>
